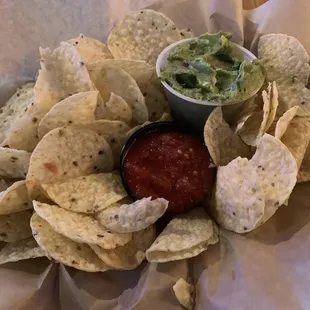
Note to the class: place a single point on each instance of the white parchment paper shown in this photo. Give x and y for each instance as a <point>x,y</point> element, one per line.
<point>266,269</point>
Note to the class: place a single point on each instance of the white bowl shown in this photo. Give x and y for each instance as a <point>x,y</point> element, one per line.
<point>192,110</point>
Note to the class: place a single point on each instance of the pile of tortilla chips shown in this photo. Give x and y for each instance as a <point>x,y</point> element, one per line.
<point>266,151</point>
<point>61,193</point>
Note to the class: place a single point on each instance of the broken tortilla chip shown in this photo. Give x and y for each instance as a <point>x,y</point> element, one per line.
<point>186,236</point>
<point>133,217</point>
<point>223,144</point>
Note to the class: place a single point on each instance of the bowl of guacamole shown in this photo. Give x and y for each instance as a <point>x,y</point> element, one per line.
<point>199,74</point>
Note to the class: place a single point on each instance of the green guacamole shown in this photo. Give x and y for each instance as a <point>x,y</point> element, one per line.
<point>211,68</point>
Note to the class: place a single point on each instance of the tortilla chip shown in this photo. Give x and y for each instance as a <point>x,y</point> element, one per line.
<point>250,130</point>
<point>142,73</point>
<point>76,109</point>
<point>186,33</point>
<point>296,138</point>
<point>140,70</point>
<point>223,144</point>
<point>283,55</point>
<point>253,126</point>
<point>20,250</point>
<point>90,49</point>
<point>134,216</point>
<point>107,128</point>
<point>286,62</point>
<point>277,170</point>
<point>274,102</point>
<point>293,93</point>
<point>23,134</point>
<point>183,293</point>
<point>246,111</point>
<point>79,227</point>
<point>132,254</point>
<point>13,163</point>
<point>142,35</point>
<point>284,121</point>
<point>87,194</point>
<point>63,250</point>
<point>14,107</point>
<point>304,172</point>
<point>108,79</point>
<point>134,129</point>
<point>15,198</point>
<point>15,226</point>
<point>155,101</point>
<point>62,74</point>
<point>165,117</point>
<point>266,108</point>
<point>113,132</point>
<point>115,109</point>
<point>157,82</point>
<point>65,153</point>
<point>238,205</point>
<point>185,236</point>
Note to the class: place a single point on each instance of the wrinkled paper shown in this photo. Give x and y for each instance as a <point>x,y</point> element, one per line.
<point>268,268</point>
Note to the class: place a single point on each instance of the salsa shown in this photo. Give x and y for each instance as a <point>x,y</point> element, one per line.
<point>211,68</point>
<point>169,164</point>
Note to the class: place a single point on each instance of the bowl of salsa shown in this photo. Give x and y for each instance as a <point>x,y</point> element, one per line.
<point>163,160</point>
<point>199,74</point>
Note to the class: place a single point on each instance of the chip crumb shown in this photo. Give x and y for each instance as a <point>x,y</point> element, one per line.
<point>184,293</point>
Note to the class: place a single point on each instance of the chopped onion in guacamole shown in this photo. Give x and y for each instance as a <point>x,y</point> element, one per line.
<point>211,68</point>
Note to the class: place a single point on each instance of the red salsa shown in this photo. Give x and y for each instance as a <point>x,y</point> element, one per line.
<point>169,164</point>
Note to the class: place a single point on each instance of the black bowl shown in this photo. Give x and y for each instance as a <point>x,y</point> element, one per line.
<point>165,126</point>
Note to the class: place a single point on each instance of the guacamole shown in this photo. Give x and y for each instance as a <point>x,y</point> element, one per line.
<point>211,68</point>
